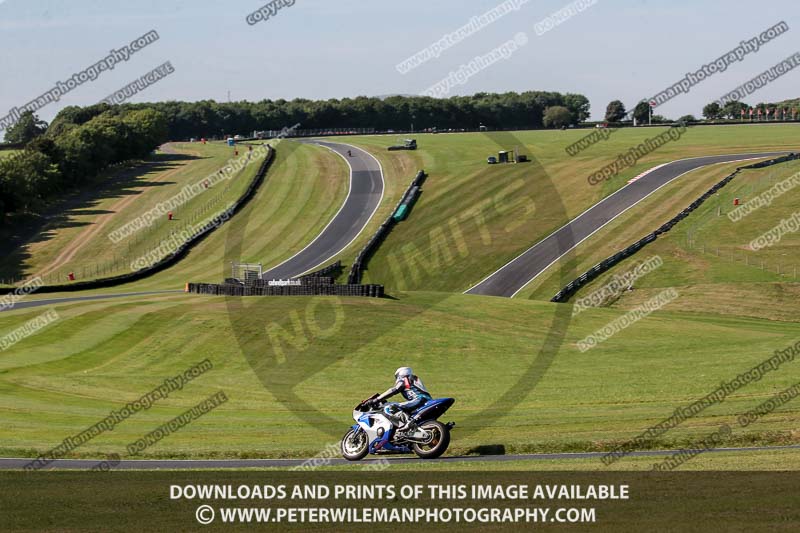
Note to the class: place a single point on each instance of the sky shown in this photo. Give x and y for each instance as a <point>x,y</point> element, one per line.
<point>613,49</point>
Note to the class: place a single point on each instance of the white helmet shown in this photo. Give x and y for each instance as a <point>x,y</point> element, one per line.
<point>403,372</point>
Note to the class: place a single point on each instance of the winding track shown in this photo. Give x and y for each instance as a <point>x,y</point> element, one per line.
<point>517,273</point>
<point>363,198</point>
<point>366,192</point>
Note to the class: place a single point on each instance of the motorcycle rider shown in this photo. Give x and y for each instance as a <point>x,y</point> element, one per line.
<point>412,389</point>
<point>349,153</point>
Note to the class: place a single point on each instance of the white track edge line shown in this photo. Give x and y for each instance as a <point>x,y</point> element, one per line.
<point>349,193</point>
<point>619,214</point>
<point>598,203</point>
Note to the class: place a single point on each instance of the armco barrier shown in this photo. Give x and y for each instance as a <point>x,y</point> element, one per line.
<point>572,287</point>
<point>169,260</point>
<point>360,263</point>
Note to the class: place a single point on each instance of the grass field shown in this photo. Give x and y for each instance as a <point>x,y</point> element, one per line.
<point>304,188</point>
<point>102,354</point>
<point>707,257</point>
<point>73,235</point>
<point>283,361</point>
<point>457,233</point>
<point>629,227</point>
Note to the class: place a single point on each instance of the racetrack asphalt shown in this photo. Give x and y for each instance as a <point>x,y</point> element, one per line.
<point>216,464</point>
<point>517,273</point>
<point>68,299</point>
<point>364,197</point>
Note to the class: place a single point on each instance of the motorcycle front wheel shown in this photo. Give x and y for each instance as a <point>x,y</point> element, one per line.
<point>354,445</point>
<point>440,440</point>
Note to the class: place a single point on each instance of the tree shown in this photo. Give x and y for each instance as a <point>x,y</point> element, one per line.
<point>578,105</point>
<point>557,116</point>
<point>712,111</point>
<point>615,111</point>
<point>75,115</point>
<point>27,128</point>
<point>26,179</point>
<point>687,119</point>
<point>734,109</point>
<point>84,142</point>
<point>147,131</point>
<point>46,146</point>
<point>642,112</point>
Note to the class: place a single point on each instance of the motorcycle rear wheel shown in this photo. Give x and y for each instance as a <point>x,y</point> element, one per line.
<point>354,445</point>
<point>439,442</point>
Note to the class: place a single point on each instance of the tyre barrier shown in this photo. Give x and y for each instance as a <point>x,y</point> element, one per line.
<point>314,281</point>
<point>168,260</point>
<point>361,260</point>
<point>212,289</point>
<point>572,287</point>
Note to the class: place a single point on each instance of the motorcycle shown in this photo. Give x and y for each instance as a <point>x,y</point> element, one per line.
<point>374,433</point>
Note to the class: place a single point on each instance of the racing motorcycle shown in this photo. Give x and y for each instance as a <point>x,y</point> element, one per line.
<point>374,433</point>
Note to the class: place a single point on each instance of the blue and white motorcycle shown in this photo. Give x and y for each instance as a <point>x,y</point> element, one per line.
<point>374,433</point>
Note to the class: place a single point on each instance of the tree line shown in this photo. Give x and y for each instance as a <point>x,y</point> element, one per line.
<point>69,153</point>
<point>736,110</point>
<point>208,118</point>
<point>616,112</point>
<point>83,141</point>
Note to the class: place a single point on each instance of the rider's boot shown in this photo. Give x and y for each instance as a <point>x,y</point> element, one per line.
<point>407,423</point>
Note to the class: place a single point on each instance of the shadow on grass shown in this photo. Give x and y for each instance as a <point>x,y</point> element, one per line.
<point>19,231</point>
<point>488,449</point>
